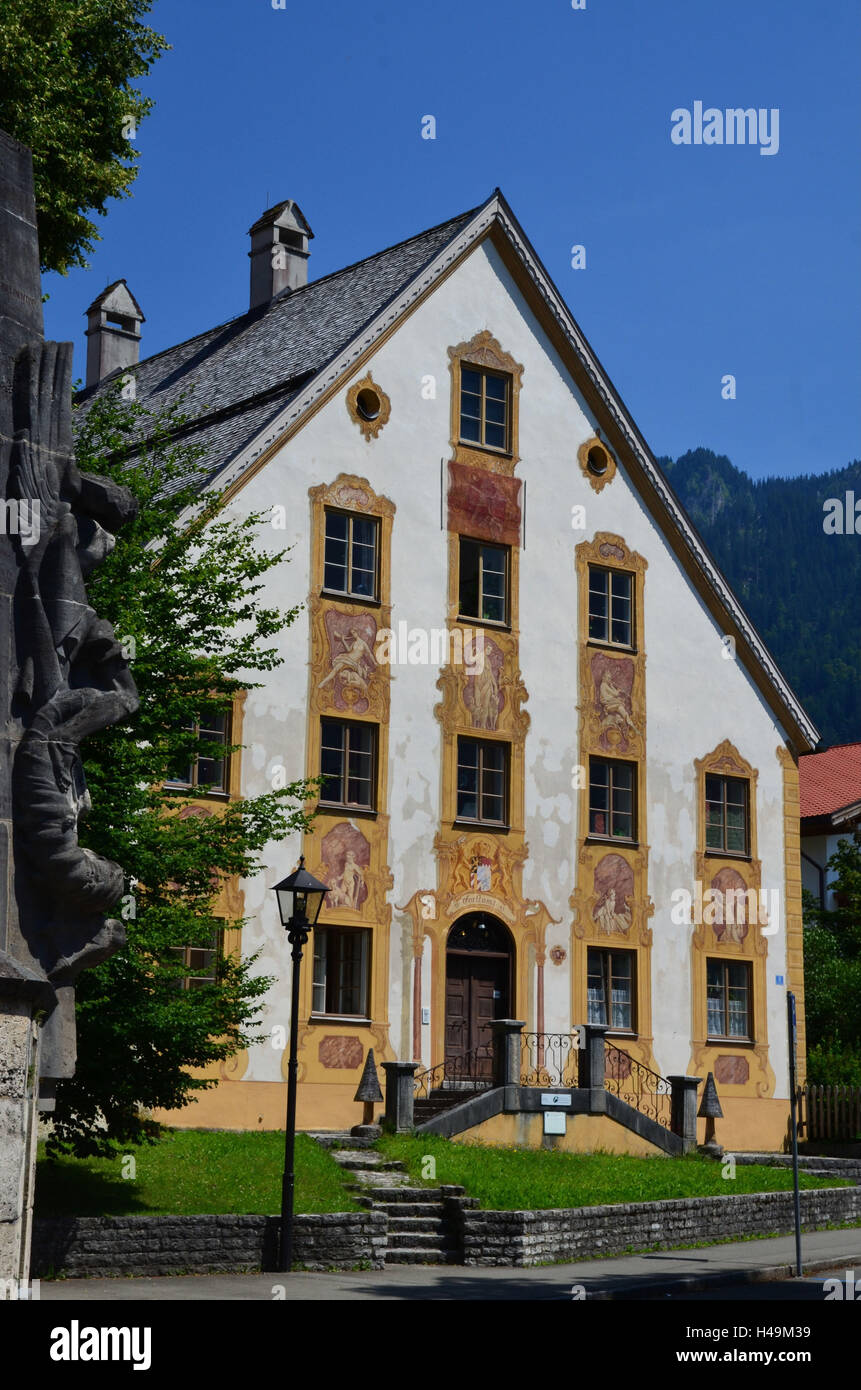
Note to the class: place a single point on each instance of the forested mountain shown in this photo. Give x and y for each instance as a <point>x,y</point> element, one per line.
<point>800,585</point>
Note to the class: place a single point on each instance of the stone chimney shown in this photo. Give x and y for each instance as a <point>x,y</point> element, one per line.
<point>279,252</point>
<point>113,332</point>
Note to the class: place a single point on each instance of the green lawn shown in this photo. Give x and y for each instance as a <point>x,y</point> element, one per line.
<point>538,1179</point>
<point>192,1172</point>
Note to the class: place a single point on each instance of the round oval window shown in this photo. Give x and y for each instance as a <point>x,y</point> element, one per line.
<point>368,403</point>
<point>597,460</point>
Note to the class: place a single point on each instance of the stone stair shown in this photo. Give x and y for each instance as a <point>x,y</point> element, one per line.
<point>420,1226</point>
<point>420,1219</point>
<point>819,1166</point>
<point>440,1100</point>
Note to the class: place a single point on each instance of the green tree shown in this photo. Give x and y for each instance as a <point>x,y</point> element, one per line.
<point>66,72</point>
<point>832,972</point>
<point>182,589</point>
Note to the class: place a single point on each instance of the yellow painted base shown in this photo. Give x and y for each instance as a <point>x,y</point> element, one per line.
<point>583,1134</point>
<point>748,1124</point>
<point>259,1105</point>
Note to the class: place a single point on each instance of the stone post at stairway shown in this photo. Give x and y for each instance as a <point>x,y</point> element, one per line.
<point>683,1113</point>
<point>592,1058</point>
<point>399,1095</point>
<point>506,1050</point>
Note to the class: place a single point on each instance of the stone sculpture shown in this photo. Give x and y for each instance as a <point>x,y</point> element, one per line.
<point>63,676</point>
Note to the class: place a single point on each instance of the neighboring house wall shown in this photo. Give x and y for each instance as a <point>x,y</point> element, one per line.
<point>816,876</point>
<point>697,704</point>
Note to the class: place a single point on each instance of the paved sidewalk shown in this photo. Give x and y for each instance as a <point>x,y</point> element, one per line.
<point>657,1274</point>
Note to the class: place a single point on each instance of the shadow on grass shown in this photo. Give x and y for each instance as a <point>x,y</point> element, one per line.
<point>64,1189</point>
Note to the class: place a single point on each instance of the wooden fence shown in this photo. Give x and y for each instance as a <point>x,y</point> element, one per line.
<point>829,1112</point>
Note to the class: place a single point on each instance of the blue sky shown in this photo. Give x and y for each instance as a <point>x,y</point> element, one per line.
<point>701,260</point>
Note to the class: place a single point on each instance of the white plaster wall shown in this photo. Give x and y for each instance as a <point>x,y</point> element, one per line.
<point>820,848</point>
<point>695,698</point>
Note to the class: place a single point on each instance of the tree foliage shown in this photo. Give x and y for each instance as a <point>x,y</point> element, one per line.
<point>182,588</point>
<point>832,972</point>
<point>66,73</point>
<point>799,584</point>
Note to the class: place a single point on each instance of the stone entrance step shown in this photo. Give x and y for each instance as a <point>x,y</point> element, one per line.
<point>418,1221</point>
<point>366,1162</point>
<point>422,1257</point>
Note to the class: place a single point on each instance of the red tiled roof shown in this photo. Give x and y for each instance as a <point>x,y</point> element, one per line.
<point>830,780</point>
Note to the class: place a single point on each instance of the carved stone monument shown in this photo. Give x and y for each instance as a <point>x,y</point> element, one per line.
<point>62,676</point>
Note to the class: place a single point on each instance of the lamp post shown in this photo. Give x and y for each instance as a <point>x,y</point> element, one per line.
<point>300,898</point>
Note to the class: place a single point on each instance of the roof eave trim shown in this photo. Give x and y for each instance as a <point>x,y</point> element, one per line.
<point>617,410</point>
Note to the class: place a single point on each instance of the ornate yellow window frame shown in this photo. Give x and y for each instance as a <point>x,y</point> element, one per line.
<point>364,698</point>
<point>726,1058</point>
<point>614,728</point>
<point>230,903</point>
<point>483,350</point>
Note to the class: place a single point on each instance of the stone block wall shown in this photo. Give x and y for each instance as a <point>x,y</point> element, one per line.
<point>523,1238</point>
<point>90,1246</point>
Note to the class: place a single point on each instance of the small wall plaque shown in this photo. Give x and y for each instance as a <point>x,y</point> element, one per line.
<point>554,1122</point>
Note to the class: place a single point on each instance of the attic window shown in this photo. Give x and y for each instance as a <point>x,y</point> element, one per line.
<point>368,403</point>
<point>597,461</point>
<point>484,407</point>
<point>369,406</point>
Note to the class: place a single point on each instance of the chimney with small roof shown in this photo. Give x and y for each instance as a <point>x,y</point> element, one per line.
<point>113,332</point>
<point>279,252</point>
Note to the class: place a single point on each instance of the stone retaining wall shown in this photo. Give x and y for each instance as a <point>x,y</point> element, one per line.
<point>523,1238</point>
<point>150,1245</point>
<point>147,1245</point>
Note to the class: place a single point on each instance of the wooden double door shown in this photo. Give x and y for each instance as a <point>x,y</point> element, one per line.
<point>478,990</point>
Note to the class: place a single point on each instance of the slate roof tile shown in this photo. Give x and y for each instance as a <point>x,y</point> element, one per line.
<point>271,350</point>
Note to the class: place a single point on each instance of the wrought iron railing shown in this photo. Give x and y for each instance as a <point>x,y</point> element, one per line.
<point>639,1086</point>
<point>550,1059</point>
<point>471,1071</point>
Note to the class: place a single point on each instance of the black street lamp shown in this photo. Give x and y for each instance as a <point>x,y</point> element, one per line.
<point>300,898</point>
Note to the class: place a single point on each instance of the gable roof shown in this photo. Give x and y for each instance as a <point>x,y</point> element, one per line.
<point>830,781</point>
<point>240,375</point>
<point>258,377</point>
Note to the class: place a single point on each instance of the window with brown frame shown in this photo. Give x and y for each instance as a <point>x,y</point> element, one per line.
<point>483,581</point>
<point>485,408</point>
<point>482,781</point>
<point>348,762</point>
<point>201,963</point>
<point>341,971</point>
<point>611,606</point>
<point>612,799</point>
<point>611,988</point>
<point>351,555</point>
<point>729,993</point>
<point>727,815</point>
<point>209,770</point>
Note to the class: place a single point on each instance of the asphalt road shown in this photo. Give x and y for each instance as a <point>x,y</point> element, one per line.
<point>724,1272</point>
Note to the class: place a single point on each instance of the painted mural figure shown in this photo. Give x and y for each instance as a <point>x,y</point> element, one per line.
<point>346,890</point>
<point>480,873</point>
<point>611,922</point>
<point>351,663</point>
<point>614,707</point>
<point>485,704</point>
